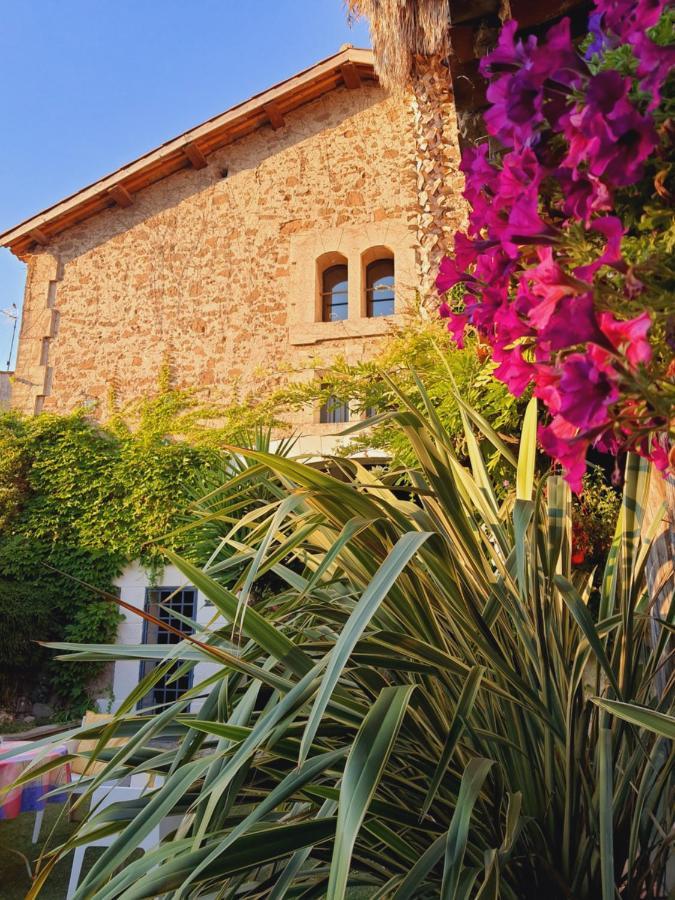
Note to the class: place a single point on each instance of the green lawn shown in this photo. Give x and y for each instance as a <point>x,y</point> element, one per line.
<point>16,834</point>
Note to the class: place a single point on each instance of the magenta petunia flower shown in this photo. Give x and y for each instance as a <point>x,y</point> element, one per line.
<point>612,229</point>
<point>613,147</point>
<point>480,174</point>
<point>546,386</point>
<point>513,370</point>
<point>572,322</point>
<point>549,283</point>
<point>583,194</point>
<point>516,104</point>
<point>449,274</point>
<point>456,325</point>
<point>600,40</point>
<point>509,53</point>
<point>626,17</point>
<point>466,250</point>
<point>628,337</point>
<point>655,63</point>
<point>583,133</point>
<point>509,326</point>
<point>562,442</point>
<point>587,389</point>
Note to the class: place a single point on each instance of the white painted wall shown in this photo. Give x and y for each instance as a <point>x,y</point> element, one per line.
<point>132,584</point>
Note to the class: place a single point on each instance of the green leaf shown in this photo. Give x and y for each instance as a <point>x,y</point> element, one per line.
<point>527,453</point>
<point>605,803</point>
<point>583,619</point>
<point>465,703</point>
<point>455,845</point>
<point>642,716</point>
<point>253,624</point>
<point>363,770</point>
<point>401,554</point>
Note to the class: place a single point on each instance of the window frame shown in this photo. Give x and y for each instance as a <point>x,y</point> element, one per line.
<point>325,296</point>
<point>374,255</point>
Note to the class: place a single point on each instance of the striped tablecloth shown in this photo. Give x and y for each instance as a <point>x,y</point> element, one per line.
<point>29,797</point>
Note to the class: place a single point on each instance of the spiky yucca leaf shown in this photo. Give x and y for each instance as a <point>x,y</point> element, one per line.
<point>501,654</point>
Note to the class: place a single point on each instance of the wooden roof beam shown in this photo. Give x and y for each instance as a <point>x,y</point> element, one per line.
<point>120,195</point>
<point>275,115</point>
<point>350,75</point>
<point>39,236</point>
<point>195,155</point>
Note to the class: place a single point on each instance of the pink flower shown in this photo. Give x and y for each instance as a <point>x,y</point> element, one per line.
<point>509,54</point>
<point>584,135</point>
<point>516,103</point>
<point>628,17</point>
<point>655,63</point>
<point>457,323</point>
<point>449,274</point>
<point>573,322</point>
<point>583,194</point>
<point>467,250</point>
<point>562,442</point>
<point>587,390</point>
<point>509,326</point>
<point>479,171</point>
<point>614,146</point>
<point>612,228</point>
<point>628,337</point>
<point>513,370</point>
<point>546,381</point>
<point>658,454</point>
<point>526,82</point>
<point>549,284</point>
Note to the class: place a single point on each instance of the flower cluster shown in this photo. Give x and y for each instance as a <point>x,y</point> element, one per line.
<point>573,137</point>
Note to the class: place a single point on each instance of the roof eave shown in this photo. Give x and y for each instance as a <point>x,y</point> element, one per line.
<point>349,67</point>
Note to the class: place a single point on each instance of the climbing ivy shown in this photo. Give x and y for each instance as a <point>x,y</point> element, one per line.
<point>77,503</point>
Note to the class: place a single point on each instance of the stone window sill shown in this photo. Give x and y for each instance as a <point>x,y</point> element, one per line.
<point>317,332</point>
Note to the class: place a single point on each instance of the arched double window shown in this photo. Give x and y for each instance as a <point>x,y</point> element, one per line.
<point>380,287</point>
<point>335,293</point>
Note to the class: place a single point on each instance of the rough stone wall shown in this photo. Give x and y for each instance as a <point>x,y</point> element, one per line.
<point>197,271</point>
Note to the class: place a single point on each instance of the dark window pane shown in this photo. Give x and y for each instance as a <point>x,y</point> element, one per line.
<point>380,288</point>
<point>185,603</point>
<point>334,411</point>
<point>334,294</point>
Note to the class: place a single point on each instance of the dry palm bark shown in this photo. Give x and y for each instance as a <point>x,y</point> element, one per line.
<point>401,31</point>
<point>411,45</point>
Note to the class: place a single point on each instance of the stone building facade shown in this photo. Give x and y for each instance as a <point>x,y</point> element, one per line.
<point>298,227</point>
<point>211,252</point>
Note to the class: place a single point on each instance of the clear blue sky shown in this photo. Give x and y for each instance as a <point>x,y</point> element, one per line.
<point>88,85</point>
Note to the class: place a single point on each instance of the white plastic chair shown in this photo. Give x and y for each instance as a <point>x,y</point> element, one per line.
<point>79,768</point>
<point>100,798</point>
<point>39,816</point>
